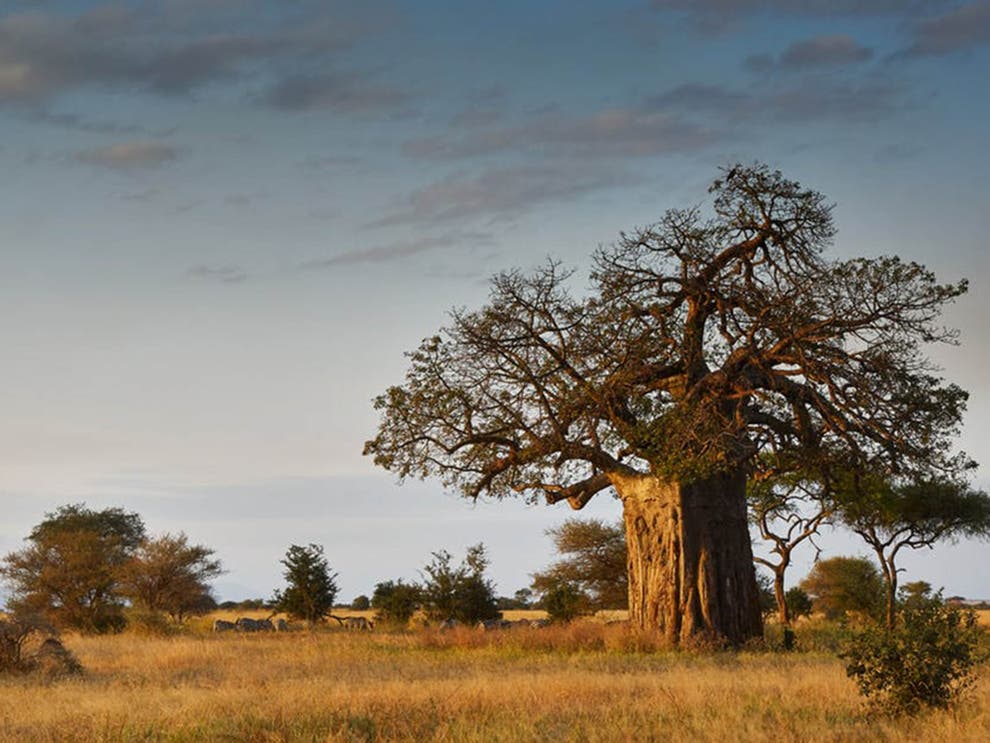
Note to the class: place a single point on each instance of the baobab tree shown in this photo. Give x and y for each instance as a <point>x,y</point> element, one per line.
<point>709,346</point>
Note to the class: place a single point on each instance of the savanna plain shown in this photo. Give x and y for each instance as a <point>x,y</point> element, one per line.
<point>587,681</point>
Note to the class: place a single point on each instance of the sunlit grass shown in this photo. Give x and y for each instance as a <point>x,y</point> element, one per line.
<point>584,682</point>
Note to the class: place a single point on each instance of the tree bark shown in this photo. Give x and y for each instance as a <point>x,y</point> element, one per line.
<point>780,595</point>
<point>691,572</point>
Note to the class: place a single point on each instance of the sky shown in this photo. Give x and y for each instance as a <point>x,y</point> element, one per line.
<point>226,221</point>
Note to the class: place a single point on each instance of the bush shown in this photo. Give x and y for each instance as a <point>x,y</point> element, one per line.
<point>459,592</point>
<point>361,603</point>
<point>925,662</point>
<point>395,602</point>
<point>564,602</point>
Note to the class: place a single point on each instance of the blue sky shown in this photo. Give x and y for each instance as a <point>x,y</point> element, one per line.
<point>226,220</point>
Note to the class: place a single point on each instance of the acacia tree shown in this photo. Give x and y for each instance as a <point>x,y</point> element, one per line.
<point>593,558</point>
<point>167,574</point>
<point>708,346</point>
<point>845,584</point>
<point>787,511</point>
<point>890,516</point>
<point>70,570</point>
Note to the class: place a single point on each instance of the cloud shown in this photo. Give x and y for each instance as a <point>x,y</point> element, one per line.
<point>342,92</point>
<point>179,70</point>
<point>163,49</point>
<point>959,29</point>
<point>501,193</point>
<point>397,250</point>
<point>619,132</point>
<point>717,15</point>
<point>225,274</point>
<point>817,52</point>
<point>802,101</point>
<point>130,155</point>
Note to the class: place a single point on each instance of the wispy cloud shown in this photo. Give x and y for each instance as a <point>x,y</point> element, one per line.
<point>159,48</point>
<point>389,252</point>
<point>501,193</point>
<point>617,132</point>
<point>224,274</point>
<point>799,101</point>
<point>818,52</point>
<point>959,29</point>
<point>341,92</point>
<point>718,15</point>
<point>134,155</point>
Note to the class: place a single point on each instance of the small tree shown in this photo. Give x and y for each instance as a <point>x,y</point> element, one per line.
<point>395,602</point>
<point>593,560</point>
<point>70,571</point>
<point>170,575</point>
<point>788,511</point>
<point>890,516</point>
<point>926,662</point>
<point>845,584</point>
<point>459,592</point>
<point>311,586</point>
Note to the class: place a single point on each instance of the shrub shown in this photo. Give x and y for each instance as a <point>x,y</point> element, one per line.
<point>564,602</point>
<point>459,592</point>
<point>925,662</point>
<point>361,603</point>
<point>395,602</point>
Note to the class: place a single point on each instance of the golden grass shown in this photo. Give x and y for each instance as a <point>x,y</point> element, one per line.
<point>587,682</point>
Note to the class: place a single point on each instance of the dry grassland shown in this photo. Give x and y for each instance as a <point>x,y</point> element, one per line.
<point>584,683</point>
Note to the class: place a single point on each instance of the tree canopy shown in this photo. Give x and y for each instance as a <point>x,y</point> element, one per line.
<point>311,587</point>
<point>70,570</point>
<point>593,559</point>
<point>891,514</point>
<point>167,574</point>
<point>459,592</point>
<point>845,584</point>
<point>704,341</point>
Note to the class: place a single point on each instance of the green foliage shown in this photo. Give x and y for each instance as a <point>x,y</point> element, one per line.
<point>459,592</point>
<point>798,602</point>
<point>395,602</point>
<point>841,585</point>
<point>311,587</point>
<point>169,576</point>
<point>926,661</point>
<point>564,602</point>
<point>593,560</point>
<point>70,571</point>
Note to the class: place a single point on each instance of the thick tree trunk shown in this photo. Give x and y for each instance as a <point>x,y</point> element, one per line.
<point>690,565</point>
